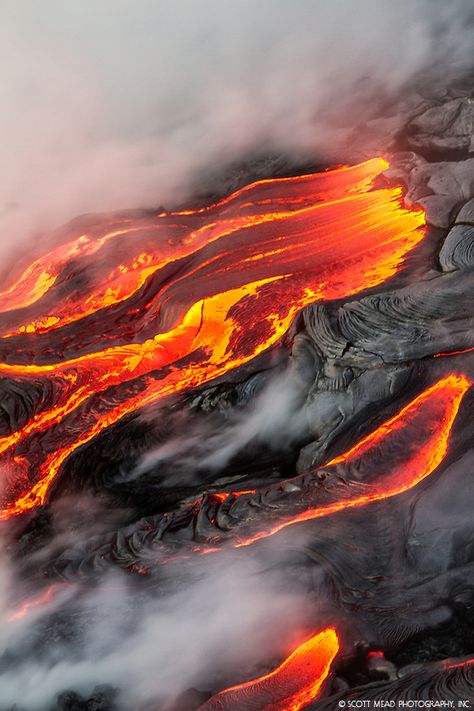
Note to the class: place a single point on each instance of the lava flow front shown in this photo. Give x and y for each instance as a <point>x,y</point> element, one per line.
<point>190,296</point>
<point>419,432</point>
<point>291,686</point>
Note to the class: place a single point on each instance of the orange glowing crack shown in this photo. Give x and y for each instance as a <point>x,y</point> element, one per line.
<point>290,687</point>
<point>228,307</point>
<point>32,603</point>
<point>453,353</point>
<point>458,665</point>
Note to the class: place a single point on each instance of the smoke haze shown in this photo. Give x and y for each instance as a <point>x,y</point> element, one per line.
<point>275,418</point>
<point>161,645</point>
<point>117,104</point>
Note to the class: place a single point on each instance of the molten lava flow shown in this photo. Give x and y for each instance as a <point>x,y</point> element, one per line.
<point>38,601</point>
<point>175,235</point>
<point>290,687</point>
<point>427,420</point>
<point>217,309</point>
<point>389,461</point>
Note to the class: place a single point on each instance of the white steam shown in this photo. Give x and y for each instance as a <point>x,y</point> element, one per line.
<point>229,619</point>
<point>275,419</point>
<point>115,104</point>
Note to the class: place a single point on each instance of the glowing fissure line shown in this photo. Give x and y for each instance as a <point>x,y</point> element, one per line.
<point>458,665</point>
<point>452,353</point>
<point>39,601</point>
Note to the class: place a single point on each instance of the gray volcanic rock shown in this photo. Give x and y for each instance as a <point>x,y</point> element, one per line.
<point>466,213</point>
<point>438,187</point>
<point>457,251</point>
<point>438,209</point>
<point>365,350</point>
<point>451,681</point>
<point>448,125</point>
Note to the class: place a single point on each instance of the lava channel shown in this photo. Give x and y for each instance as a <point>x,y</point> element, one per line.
<point>416,438</point>
<point>214,311</point>
<point>391,460</point>
<point>165,237</point>
<point>290,687</point>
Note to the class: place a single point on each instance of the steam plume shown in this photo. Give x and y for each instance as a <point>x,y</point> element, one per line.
<point>116,104</point>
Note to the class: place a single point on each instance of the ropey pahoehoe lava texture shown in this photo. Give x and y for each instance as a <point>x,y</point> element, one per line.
<point>328,281</point>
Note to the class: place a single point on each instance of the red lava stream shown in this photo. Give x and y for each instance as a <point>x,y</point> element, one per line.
<point>257,258</point>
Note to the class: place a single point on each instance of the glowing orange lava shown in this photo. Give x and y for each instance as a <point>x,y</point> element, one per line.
<point>395,458</point>
<point>428,419</point>
<point>451,353</point>
<point>290,687</point>
<point>175,235</point>
<point>241,271</point>
<point>38,601</point>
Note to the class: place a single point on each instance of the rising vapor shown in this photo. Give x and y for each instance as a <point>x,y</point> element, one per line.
<point>119,104</point>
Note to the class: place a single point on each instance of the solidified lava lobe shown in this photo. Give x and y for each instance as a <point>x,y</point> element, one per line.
<point>244,268</point>
<point>290,687</point>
